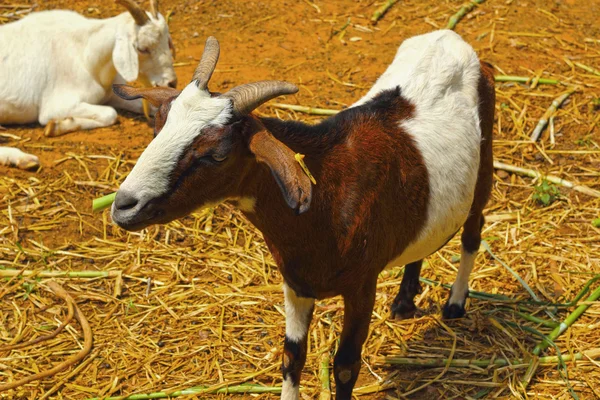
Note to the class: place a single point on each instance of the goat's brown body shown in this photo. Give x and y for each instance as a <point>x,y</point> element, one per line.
<point>395,181</point>
<point>370,199</point>
<point>368,203</point>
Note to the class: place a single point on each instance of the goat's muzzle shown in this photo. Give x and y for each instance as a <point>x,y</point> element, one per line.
<point>131,212</point>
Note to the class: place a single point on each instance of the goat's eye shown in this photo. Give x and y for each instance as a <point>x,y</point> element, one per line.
<point>218,157</point>
<point>143,51</point>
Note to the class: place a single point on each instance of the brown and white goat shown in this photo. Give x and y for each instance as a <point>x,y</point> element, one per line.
<point>397,175</point>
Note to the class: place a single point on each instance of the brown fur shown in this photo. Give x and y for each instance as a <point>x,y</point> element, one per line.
<point>369,202</point>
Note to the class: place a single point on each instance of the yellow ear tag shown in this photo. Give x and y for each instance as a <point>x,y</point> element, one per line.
<point>300,158</point>
<point>145,105</point>
<point>146,109</point>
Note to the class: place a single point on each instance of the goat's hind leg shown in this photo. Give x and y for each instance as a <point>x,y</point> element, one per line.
<point>403,306</point>
<point>470,241</point>
<point>84,116</point>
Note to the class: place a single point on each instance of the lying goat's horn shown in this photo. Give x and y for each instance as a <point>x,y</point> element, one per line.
<point>207,64</point>
<point>251,95</point>
<point>139,15</point>
<point>154,8</point>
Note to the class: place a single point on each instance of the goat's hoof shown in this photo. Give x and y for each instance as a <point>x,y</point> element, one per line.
<point>402,310</point>
<point>453,311</point>
<point>51,128</point>
<point>28,163</point>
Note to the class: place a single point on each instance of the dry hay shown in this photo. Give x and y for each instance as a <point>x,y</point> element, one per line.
<point>199,303</point>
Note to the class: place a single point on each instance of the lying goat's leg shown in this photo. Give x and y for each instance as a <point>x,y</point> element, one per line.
<point>358,307</point>
<point>13,157</point>
<point>298,313</point>
<point>404,303</point>
<point>83,116</point>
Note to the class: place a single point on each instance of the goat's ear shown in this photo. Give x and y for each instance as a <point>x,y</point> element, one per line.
<point>293,182</point>
<point>155,96</point>
<point>125,56</point>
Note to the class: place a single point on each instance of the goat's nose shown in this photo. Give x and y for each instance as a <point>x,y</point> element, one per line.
<point>125,200</point>
<point>173,83</point>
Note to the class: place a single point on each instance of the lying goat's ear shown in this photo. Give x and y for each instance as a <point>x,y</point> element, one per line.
<point>293,182</point>
<point>125,56</point>
<point>156,95</point>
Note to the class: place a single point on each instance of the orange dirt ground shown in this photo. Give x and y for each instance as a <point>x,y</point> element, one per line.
<point>214,312</point>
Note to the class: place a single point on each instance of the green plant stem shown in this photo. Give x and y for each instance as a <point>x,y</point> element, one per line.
<point>534,361</point>
<point>487,248</point>
<point>500,362</point>
<point>550,178</point>
<point>556,103</point>
<point>103,202</point>
<point>324,377</point>
<point>505,299</point>
<point>559,330</point>
<point>382,10</point>
<point>464,10</point>
<point>239,389</point>
<point>586,68</point>
<point>524,79</point>
<point>537,320</point>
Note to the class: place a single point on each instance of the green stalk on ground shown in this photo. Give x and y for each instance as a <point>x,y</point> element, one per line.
<point>103,202</point>
<point>464,10</point>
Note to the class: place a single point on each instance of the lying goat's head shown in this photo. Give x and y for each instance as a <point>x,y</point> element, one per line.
<point>145,49</point>
<point>205,148</point>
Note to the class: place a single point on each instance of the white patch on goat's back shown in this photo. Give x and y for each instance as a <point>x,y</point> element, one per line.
<point>298,312</point>
<point>438,73</point>
<point>193,110</point>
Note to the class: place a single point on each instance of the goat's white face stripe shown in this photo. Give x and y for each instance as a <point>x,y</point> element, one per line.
<point>193,110</point>
<point>297,314</point>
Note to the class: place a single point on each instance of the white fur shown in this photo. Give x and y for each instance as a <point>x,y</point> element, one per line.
<point>11,156</point>
<point>193,110</point>
<point>289,391</point>
<point>438,72</point>
<point>461,284</point>
<point>56,64</point>
<point>297,314</point>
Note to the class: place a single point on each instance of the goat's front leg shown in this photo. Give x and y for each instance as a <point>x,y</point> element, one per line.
<point>358,307</point>
<point>298,313</point>
<point>83,116</point>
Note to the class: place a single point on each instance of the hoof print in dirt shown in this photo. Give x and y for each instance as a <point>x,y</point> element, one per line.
<point>453,311</point>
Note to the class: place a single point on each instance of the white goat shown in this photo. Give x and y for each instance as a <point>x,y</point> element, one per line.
<point>58,68</point>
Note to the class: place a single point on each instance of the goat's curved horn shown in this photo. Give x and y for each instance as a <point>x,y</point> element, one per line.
<point>251,95</point>
<point>207,64</point>
<point>154,8</point>
<point>139,15</point>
